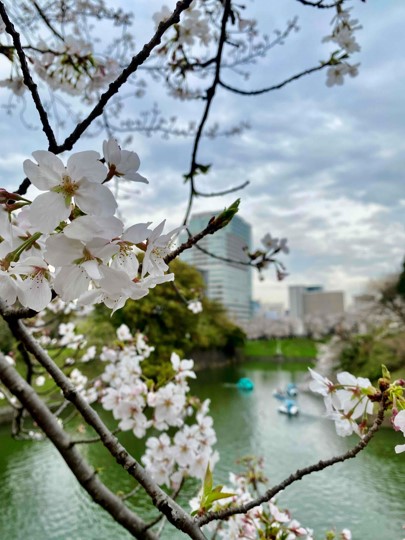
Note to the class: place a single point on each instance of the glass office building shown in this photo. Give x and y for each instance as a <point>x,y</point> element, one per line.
<point>226,282</point>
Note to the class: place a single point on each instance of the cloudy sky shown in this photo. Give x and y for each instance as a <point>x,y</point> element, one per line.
<point>326,165</point>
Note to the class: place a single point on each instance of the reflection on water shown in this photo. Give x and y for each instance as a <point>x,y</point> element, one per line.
<point>41,500</point>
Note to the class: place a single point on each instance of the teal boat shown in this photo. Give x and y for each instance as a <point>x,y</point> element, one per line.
<point>245,384</point>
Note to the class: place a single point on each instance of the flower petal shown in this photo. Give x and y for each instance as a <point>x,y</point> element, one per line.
<point>95,199</point>
<point>48,210</point>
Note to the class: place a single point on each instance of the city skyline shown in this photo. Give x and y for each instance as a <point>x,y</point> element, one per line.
<point>325,164</point>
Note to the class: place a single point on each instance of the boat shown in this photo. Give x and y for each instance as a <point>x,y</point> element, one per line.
<point>289,407</point>
<point>245,384</point>
<point>292,390</point>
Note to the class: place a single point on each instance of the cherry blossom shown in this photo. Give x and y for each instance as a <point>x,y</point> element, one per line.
<point>122,163</point>
<point>158,246</point>
<point>80,181</point>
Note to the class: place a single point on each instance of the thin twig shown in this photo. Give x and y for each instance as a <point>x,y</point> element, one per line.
<point>47,21</point>
<point>28,81</point>
<point>209,98</point>
<point>275,86</point>
<point>320,3</point>
<point>225,192</point>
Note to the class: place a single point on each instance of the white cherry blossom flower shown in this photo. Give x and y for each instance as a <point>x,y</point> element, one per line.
<point>79,182</point>
<point>34,289</point>
<point>182,368</point>
<point>351,397</point>
<point>123,333</point>
<point>40,381</point>
<point>195,306</point>
<point>335,75</point>
<point>122,163</point>
<point>158,246</point>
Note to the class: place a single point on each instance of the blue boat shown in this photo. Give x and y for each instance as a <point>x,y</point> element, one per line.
<point>289,407</point>
<point>245,384</point>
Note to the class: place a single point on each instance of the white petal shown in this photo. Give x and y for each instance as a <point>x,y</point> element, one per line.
<point>111,151</point>
<point>137,233</point>
<point>62,251</point>
<point>42,177</point>
<point>8,289</point>
<point>92,268</point>
<point>71,282</point>
<point>48,210</point>
<point>95,199</point>
<point>86,228</point>
<point>35,292</point>
<point>135,177</point>
<point>86,165</point>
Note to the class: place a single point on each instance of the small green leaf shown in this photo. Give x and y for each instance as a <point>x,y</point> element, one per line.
<point>385,373</point>
<point>207,485</point>
<point>216,497</point>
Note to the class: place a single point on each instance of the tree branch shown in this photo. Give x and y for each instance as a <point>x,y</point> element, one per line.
<point>320,3</point>
<point>46,20</point>
<point>225,192</point>
<point>276,86</point>
<point>209,97</point>
<point>298,475</point>
<point>85,474</point>
<point>174,513</point>
<point>28,81</point>
<point>136,61</point>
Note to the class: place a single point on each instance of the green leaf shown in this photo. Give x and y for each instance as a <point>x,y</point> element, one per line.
<point>207,485</point>
<point>216,497</point>
<point>385,373</point>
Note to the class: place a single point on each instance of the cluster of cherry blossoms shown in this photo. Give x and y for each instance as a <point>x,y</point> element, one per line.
<point>351,400</point>
<point>141,406</point>
<point>194,24</point>
<point>67,239</point>
<point>71,66</point>
<point>343,36</point>
<point>65,60</point>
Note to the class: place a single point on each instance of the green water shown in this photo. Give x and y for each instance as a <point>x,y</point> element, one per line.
<point>41,500</point>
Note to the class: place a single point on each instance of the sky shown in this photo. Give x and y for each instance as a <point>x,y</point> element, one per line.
<point>326,165</point>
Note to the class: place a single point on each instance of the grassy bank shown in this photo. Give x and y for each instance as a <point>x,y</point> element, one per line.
<point>297,347</point>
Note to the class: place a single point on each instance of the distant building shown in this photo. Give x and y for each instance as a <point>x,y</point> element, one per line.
<point>306,301</point>
<point>226,282</point>
<point>296,299</point>
<point>323,303</point>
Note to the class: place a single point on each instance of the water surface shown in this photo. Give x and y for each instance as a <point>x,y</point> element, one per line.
<point>41,500</point>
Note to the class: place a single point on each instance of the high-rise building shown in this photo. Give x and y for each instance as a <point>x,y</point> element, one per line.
<point>226,282</point>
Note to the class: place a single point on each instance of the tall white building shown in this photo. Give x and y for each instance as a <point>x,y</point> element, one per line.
<point>226,282</point>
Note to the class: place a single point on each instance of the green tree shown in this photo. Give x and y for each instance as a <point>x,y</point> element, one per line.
<point>164,318</point>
